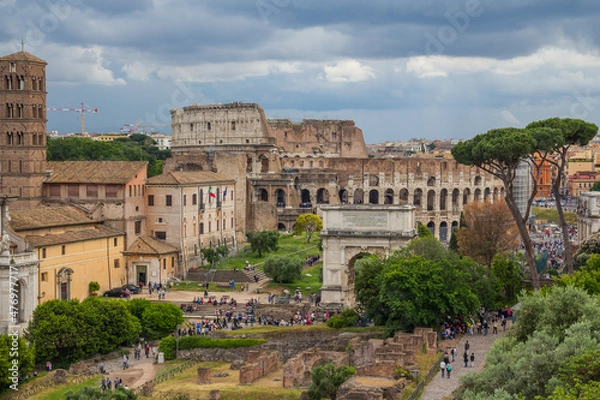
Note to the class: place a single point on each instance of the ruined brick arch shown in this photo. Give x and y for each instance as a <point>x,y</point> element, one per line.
<point>431,181</point>
<point>264,163</point>
<point>305,196</point>
<point>477,180</point>
<point>374,196</point>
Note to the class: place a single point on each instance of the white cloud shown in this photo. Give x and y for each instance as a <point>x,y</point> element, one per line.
<point>348,71</point>
<point>80,65</point>
<point>138,71</point>
<point>558,58</point>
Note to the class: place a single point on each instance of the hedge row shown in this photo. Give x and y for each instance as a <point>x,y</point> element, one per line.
<point>168,344</point>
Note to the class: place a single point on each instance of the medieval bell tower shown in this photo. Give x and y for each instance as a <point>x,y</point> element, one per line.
<point>22,128</point>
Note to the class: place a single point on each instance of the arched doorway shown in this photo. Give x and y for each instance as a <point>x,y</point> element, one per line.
<point>305,198</point>
<point>443,199</point>
<point>280,196</point>
<point>63,282</point>
<point>374,196</point>
<point>418,194</point>
<point>403,196</point>
<point>454,226</point>
<point>343,193</point>
<point>431,227</point>
<point>263,195</point>
<point>359,196</point>
<point>431,200</point>
<point>443,231</point>
<point>388,197</point>
<point>281,227</point>
<point>322,196</point>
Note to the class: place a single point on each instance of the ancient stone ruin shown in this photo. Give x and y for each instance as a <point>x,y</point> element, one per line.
<point>258,364</point>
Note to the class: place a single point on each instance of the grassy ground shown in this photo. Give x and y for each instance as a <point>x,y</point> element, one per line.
<point>551,215</point>
<point>269,387</point>
<point>58,393</point>
<point>287,245</point>
<point>309,283</point>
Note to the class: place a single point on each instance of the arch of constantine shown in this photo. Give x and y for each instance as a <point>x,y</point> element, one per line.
<point>350,231</point>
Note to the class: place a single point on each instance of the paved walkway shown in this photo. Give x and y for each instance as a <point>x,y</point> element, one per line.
<point>440,387</point>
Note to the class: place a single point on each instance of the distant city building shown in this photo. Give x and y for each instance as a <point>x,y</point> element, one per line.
<point>163,141</point>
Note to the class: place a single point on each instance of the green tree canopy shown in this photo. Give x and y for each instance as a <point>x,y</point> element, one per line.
<point>417,286</point>
<point>501,152</point>
<point>14,348</point>
<point>263,241</point>
<point>160,319</point>
<point>326,379</point>
<point>309,223</point>
<point>555,331</point>
<point>283,269</point>
<point>95,393</point>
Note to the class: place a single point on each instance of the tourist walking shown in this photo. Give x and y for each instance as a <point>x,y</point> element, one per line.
<point>448,369</point>
<point>453,352</point>
<point>472,359</point>
<point>466,359</point>
<point>443,368</point>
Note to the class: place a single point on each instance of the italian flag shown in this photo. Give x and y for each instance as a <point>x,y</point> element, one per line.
<point>211,193</point>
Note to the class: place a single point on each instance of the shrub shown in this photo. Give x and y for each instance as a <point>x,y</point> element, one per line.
<point>160,319</point>
<point>348,317</point>
<point>94,286</point>
<point>168,344</point>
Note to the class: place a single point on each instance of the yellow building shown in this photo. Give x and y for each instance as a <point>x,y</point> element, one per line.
<point>73,250</point>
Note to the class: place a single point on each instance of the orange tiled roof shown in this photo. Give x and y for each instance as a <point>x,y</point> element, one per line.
<point>47,217</point>
<point>94,172</point>
<point>150,246</point>
<point>22,56</point>
<point>75,235</point>
<point>188,177</point>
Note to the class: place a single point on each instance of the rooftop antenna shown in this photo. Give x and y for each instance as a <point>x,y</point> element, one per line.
<point>22,45</point>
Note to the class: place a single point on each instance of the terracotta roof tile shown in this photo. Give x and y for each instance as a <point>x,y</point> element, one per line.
<point>46,217</point>
<point>94,172</point>
<point>188,177</point>
<point>151,246</point>
<point>75,235</point>
<point>22,56</point>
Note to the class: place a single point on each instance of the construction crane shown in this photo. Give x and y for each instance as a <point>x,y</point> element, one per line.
<point>81,110</point>
<point>135,128</point>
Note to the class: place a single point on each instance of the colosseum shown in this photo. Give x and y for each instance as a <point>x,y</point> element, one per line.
<point>283,169</point>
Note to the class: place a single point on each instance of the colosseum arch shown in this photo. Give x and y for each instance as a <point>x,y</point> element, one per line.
<point>359,196</point>
<point>496,195</point>
<point>443,231</point>
<point>477,181</point>
<point>417,199</point>
<point>305,196</point>
<point>374,196</point>
<point>431,200</point>
<point>443,199</point>
<point>466,196</point>
<point>388,196</point>
<point>431,227</point>
<point>280,197</point>
<point>403,196</point>
<point>487,194</point>
<point>263,195</point>
<point>343,194</point>
<point>455,197</point>
<point>477,195</point>
<point>322,196</point>
<point>431,181</point>
<point>264,163</point>
<point>355,230</point>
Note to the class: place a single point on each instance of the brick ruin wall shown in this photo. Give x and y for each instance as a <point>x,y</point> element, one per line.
<point>258,364</point>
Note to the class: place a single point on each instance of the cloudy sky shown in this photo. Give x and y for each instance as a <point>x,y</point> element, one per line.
<point>398,68</point>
